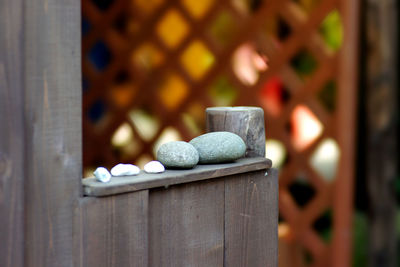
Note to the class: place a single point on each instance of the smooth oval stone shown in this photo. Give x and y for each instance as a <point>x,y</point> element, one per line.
<point>124,170</point>
<point>102,175</point>
<point>154,167</point>
<point>219,147</point>
<point>178,154</point>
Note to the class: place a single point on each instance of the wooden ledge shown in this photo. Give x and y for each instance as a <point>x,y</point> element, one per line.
<point>125,184</point>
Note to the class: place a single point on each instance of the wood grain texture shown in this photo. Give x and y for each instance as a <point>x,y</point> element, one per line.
<point>170,177</point>
<point>382,126</point>
<point>11,134</point>
<point>52,88</point>
<point>112,231</point>
<point>247,122</point>
<point>186,226</point>
<point>251,219</point>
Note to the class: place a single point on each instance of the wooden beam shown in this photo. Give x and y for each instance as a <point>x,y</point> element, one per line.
<point>125,184</point>
<point>382,115</point>
<point>52,120</point>
<point>11,134</point>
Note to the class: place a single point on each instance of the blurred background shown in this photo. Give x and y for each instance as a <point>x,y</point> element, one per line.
<point>325,73</point>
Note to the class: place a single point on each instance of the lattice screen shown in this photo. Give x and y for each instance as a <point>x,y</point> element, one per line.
<point>151,67</point>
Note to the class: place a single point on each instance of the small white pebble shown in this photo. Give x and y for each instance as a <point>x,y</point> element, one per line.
<point>102,175</point>
<point>125,169</point>
<point>154,167</point>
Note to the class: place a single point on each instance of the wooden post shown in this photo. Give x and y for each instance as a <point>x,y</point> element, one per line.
<point>40,136</point>
<point>382,115</point>
<point>247,122</point>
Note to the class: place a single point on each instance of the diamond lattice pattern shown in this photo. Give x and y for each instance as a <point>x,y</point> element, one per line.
<point>150,68</point>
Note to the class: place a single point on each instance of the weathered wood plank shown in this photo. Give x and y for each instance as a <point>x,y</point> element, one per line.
<point>145,181</point>
<point>11,134</point>
<point>251,219</point>
<point>186,226</point>
<point>112,231</point>
<point>52,87</point>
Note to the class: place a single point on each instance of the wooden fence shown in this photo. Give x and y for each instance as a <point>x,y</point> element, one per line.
<point>210,216</point>
<point>150,68</point>
<point>213,215</point>
<point>46,220</point>
<point>40,76</point>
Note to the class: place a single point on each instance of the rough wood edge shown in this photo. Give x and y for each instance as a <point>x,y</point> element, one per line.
<point>118,185</point>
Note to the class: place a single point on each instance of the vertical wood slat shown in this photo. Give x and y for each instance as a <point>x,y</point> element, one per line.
<point>11,134</point>
<point>112,231</point>
<point>186,225</point>
<point>251,219</point>
<point>52,108</point>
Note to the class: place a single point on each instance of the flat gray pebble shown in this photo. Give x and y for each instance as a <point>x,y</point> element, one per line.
<point>219,147</point>
<point>178,154</point>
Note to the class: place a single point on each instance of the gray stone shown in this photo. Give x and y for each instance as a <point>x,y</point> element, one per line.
<point>178,154</point>
<point>219,147</point>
